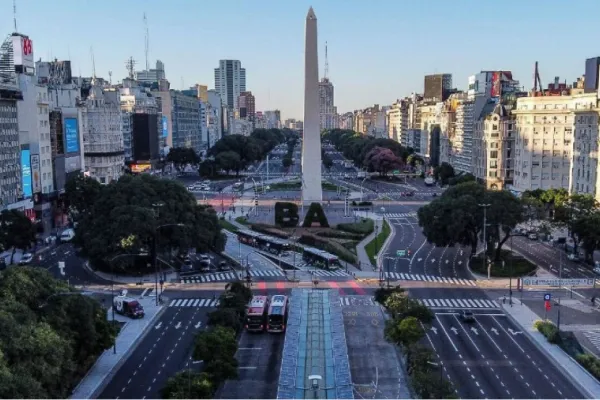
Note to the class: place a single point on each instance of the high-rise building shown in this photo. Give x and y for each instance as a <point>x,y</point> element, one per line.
<point>153,75</point>
<point>214,117</point>
<point>273,119</point>
<point>592,69</point>
<point>102,136</point>
<point>10,151</point>
<point>437,87</point>
<point>230,82</point>
<point>183,115</point>
<point>347,121</point>
<point>397,121</point>
<point>247,106</point>
<point>327,109</point>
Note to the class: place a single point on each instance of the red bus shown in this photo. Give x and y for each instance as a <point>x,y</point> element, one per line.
<point>256,314</point>
<point>278,310</point>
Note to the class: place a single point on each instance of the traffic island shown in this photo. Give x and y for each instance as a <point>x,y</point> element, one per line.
<point>509,265</point>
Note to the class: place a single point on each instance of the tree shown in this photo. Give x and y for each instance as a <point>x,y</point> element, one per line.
<point>405,332</point>
<point>81,192</point>
<point>183,156</point>
<point>463,178</point>
<point>401,306</point>
<point>504,214</point>
<point>188,384</point>
<point>47,341</point>
<point>229,161</point>
<point>226,317</point>
<point>126,214</point>
<point>218,343</point>
<point>443,173</point>
<point>587,229</point>
<point>286,162</point>
<point>571,212</point>
<point>428,385</point>
<point>222,369</point>
<point>16,231</point>
<point>382,160</point>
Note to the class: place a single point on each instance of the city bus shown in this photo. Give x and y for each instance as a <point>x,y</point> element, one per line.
<point>256,314</point>
<point>263,242</point>
<point>320,258</point>
<point>248,237</point>
<point>278,311</point>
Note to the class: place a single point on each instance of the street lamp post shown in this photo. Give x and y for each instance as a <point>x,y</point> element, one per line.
<point>485,244</point>
<point>510,272</point>
<point>155,257</point>
<point>560,283</point>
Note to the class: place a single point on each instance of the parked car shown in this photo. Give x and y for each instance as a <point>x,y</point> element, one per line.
<point>573,257</point>
<point>223,266</point>
<point>533,236</point>
<point>26,259</point>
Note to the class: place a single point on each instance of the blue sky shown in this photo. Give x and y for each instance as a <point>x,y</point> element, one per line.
<point>378,50</point>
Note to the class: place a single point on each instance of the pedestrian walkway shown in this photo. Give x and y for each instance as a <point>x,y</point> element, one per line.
<point>429,278</point>
<point>400,215</point>
<point>231,276</point>
<point>459,303</point>
<point>353,301</point>
<point>195,302</point>
<point>322,272</point>
<point>593,337</point>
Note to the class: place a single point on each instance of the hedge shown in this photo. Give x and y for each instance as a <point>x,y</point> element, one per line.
<point>590,363</point>
<point>364,227</point>
<point>548,329</point>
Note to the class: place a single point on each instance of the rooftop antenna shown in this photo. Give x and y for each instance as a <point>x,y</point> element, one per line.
<point>147,39</point>
<point>130,65</point>
<point>15,14</point>
<point>326,73</point>
<point>93,63</point>
<point>110,77</point>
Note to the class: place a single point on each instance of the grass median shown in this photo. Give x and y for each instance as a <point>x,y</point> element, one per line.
<point>502,268</point>
<point>224,224</point>
<point>373,247</point>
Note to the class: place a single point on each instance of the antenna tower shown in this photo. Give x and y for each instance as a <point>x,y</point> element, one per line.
<point>110,77</point>
<point>147,39</point>
<point>93,63</point>
<point>130,65</point>
<point>326,73</point>
<point>15,14</point>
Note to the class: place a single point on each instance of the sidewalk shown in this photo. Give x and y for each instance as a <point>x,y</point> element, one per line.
<point>524,317</point>
<point>108,363</point>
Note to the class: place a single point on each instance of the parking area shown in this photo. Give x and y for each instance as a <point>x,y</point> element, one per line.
<point>259,358</point>
<point>374,365</point>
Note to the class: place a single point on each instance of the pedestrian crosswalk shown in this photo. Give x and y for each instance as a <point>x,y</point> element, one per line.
<point>353,301</point>
<point>459,303</point>
<point>229,276</point>
<point>429,278</point>
<point>400,215</point>
<point>212,302</point>
<point>322,272</point>
<point>594,337</point>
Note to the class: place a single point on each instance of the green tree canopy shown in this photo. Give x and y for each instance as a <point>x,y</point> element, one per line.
<point>126,214</point>
<point>81,192</point>
<point>572,212</point>
<point>229,161</point>
<point>182,156</point>
<point>48,340</point>
<point>16,231</point>
<point>443,173</point>
<point>189,384</point>
<point>217,343</point>
<point>405,332</point>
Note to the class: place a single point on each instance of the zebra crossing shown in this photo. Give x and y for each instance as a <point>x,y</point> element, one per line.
<point>400,215</point>
<point>459,303</point>
<point>322,272</point>
<point>429,278</point>
<point>194,303</point>
<point>229,276</point>
<point>593,337</point>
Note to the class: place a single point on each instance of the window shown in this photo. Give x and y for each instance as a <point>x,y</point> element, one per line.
<point>494,154</point>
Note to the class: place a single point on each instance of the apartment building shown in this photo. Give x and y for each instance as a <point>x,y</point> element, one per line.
<point>462,140</point>
<point>556,144</point>
<point>397,120</point>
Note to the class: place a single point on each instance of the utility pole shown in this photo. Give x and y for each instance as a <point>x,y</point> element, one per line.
<point>560,284</point>
<point>485,242</point>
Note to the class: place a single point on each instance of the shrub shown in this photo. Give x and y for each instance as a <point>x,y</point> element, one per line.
<point>548,329</point>
<point>365,203</point>
<point>382,294</point>
<point>364,227</point>
<point>590,363</point>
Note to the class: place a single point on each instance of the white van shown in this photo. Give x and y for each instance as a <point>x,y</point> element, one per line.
<point>67,235</point>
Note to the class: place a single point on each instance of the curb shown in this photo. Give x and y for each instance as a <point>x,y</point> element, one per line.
<point>385,244</point>
<point>563,368</point>
<point>127,354</point>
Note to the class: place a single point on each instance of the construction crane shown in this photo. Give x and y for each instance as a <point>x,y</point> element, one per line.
<point>537,82</point>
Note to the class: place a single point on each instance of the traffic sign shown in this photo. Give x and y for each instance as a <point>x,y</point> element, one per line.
<point>557,282</point>
<point>547,297</point>
<point>400,253</point>
<point>396,172</point>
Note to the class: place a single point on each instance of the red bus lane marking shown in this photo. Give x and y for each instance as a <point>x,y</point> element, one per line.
<point>261,285</point>
<point>280,286</point>
<point>357,288</point>
<point>334,285</point>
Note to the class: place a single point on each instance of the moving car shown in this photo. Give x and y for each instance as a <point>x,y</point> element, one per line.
<point>223,266</point>
<point>573,257</point>
<point>533,236</point>
<point>26,259</point>
<point>467,316</point>
<point>67,235</point>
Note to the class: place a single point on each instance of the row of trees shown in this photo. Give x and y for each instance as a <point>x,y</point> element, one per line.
<point>49,335</point>
<point>406,329</point>
<point>216,347</point>
<point>377,155</point>
<point>124,218</point>
<point>17,232</point>
<point>288,159</point>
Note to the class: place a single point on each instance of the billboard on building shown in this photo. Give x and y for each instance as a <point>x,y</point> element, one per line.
<point>71,135</point>
<point>26,173</point>
<point>36,180</point>
<point>496,82</point>
<point>165,127</point>
<point>23,54</point>
<point>139,168</point>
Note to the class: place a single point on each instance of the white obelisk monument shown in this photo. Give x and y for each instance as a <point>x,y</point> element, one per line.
<point>311,145</point>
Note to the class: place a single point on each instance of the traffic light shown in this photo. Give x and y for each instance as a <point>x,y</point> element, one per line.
<point>408,252</point>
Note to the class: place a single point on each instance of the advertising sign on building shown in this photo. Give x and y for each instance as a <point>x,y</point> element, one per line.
<point>26,172</point>
<point>139,168</point>
<point>496,82</point>
<point>23,52</point>
<point>71,135</point>
<point>165,127</point>
<point>35,171</point>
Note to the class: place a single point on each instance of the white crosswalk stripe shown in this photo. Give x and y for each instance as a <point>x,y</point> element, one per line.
<point>229,276</point>
<point>401,215</point>
<point>459,303</point>
<point>429,278</point>
<point>349,301</point>
<point>194,302</point>
<point>322,272</point>
<point>594,337</point>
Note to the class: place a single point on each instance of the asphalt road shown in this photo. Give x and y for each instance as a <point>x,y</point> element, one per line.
<point>490,357</point>
<point>164,351</point>
<point>424,258</point>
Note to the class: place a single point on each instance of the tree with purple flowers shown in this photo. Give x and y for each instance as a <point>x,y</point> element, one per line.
<point>382,160</point>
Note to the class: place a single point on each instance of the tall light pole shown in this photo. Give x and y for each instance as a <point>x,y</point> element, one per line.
<point>485,243</point>
<point>155,256</point>
<point>560,284</point>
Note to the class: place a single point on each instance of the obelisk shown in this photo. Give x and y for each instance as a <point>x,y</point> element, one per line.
<point>311,145</point>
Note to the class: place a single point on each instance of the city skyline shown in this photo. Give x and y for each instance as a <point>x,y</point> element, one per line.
<point>362,66</point>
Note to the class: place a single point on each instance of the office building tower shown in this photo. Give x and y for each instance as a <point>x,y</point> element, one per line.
<point>437,87</point>
<point>153,75</point>
<point>230,82</point>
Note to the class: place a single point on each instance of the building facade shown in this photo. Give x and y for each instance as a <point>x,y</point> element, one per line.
<point>437,87</point>
<point>327,109</point>
<point>247,106</point>
<point>230,82</point>
<point>153,75</point>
